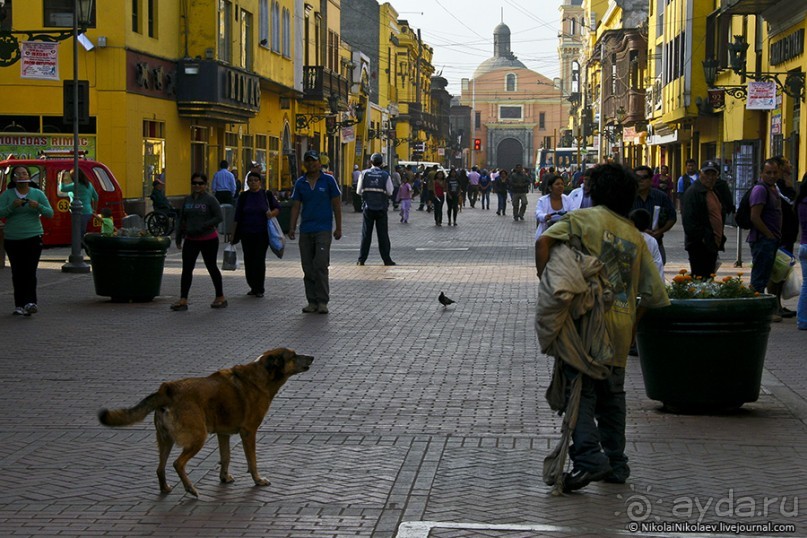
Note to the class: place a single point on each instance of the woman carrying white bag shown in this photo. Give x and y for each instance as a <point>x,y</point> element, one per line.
<point>254,209</point>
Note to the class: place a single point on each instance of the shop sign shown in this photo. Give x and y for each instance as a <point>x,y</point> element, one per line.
<point>31,146</point>
<point>761,95</point>
<point>787,48</point>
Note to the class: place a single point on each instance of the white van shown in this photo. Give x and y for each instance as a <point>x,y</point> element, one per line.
<point>425,165</point>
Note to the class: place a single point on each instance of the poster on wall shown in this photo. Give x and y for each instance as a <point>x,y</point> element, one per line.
<point>39,60</point>
<point>761,96</point>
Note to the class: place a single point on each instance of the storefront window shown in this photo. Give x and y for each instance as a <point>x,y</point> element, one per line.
<point>199,143</point>
<point>153,154</point>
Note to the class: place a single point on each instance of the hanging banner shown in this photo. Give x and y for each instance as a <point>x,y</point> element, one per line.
<point>40,60</point>
<point>761,96</point>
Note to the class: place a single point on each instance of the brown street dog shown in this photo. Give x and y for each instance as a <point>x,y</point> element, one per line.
<point>230,401</point>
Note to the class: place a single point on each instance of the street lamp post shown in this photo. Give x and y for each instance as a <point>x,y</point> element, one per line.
<point>75,262</point>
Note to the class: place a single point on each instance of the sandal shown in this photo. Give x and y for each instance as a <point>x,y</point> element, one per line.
<point>219,304</point>
<point>179,307</point>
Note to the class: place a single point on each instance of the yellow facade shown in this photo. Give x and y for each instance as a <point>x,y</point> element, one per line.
<point>148,69</point>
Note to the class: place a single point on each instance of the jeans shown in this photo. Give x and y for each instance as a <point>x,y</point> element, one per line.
<point>23,256</point>
<point>255,246</point>
<point>473,193</point>
<point>502,196</point>
<point>763,254</point>
<point>702,260</point>
<point>519,204</point>
<point>452,207</point>
<point>486,199</point>
<point>379,219</point>
<point>438,209</point>
<point>599,435</point>
<point>315,257</point>
<point>190,252</point>
<point>801,319</point>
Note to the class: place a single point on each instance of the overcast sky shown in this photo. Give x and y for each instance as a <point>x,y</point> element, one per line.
<point>461,33</point>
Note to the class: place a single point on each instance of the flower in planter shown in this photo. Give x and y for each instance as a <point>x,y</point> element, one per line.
<point>685,286</point>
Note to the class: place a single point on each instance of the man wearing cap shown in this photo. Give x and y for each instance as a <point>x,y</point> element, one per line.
<point>654,201</point>
<point>317,201</point>
<point>224,187</point>
<point>703,215</point>
<point>375,188</point>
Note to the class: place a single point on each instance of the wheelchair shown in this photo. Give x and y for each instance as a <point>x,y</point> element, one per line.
<point>160,222</point>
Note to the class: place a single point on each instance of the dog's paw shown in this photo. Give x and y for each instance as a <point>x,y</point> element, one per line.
<point>226,478</point>
<point>192,491</point>
<point>165,490</point>
<point>262,482</point>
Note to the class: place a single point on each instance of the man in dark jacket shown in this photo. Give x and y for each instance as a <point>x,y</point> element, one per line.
<point>703,214</point>
<point>519,187</point>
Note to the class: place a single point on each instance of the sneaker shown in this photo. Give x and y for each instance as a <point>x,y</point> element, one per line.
<point>20,311</point>
<point>322,308</point>
<point>776,318</point>
<point>359,262</point>
<point>310,309</point>
<point>390,263</point>
<point>31,308</point>
<point>618,475</point>
<point>580,478</point>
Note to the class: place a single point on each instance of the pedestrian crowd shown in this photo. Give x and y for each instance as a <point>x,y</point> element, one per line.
<point>609,228</point>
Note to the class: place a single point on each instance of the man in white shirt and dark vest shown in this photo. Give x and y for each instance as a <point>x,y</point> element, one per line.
<point>375,189</point>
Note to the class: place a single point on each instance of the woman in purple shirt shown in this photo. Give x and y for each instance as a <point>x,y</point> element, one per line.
<point>801,212</point>
<point>253,210</point>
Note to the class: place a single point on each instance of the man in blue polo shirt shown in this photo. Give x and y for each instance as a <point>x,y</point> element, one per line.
<point>317,200</point>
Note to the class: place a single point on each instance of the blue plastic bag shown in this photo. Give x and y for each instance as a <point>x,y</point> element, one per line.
<point>277,241</point>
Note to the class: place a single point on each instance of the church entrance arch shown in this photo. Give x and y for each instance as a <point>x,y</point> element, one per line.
<point>509,153</point>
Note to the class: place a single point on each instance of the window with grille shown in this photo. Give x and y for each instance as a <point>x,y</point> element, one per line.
<point>59,14</point>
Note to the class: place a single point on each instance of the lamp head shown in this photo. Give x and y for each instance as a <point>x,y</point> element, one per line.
<point>710,66</point>
<point>737,50</point>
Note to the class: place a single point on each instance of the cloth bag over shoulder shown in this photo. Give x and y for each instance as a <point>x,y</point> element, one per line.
<point>229,261</point>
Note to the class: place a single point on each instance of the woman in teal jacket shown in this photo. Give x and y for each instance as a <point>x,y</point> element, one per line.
<point>22,207</point>
<point>86,194</point>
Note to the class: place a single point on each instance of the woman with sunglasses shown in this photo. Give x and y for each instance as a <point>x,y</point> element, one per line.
<point>196,233</point>
<point>22,208</point>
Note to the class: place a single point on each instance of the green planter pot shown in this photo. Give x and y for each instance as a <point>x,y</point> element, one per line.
<point>127,268</point>
<point>703,355</point>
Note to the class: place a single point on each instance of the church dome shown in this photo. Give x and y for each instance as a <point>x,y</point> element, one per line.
<point>502,58</point>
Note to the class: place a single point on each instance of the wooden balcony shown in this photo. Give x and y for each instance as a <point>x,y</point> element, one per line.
<point>320,83</point>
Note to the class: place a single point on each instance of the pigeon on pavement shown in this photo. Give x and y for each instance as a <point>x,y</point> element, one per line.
<point>445,301</point>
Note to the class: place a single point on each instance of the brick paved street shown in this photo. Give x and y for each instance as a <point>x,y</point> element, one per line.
<point>415,421</point>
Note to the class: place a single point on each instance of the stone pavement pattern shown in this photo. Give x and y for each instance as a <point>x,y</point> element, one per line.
<point>414,420</point>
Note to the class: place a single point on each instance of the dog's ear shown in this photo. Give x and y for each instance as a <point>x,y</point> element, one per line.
<point>274,361</point>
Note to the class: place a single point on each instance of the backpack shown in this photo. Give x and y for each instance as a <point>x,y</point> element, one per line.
<point>743,215</point>
<point>687,182</point>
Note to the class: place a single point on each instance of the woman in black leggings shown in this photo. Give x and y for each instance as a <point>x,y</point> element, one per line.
<point>199,217</point>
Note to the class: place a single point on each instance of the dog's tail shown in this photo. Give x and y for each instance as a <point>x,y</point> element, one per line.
<point>132,415</point>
